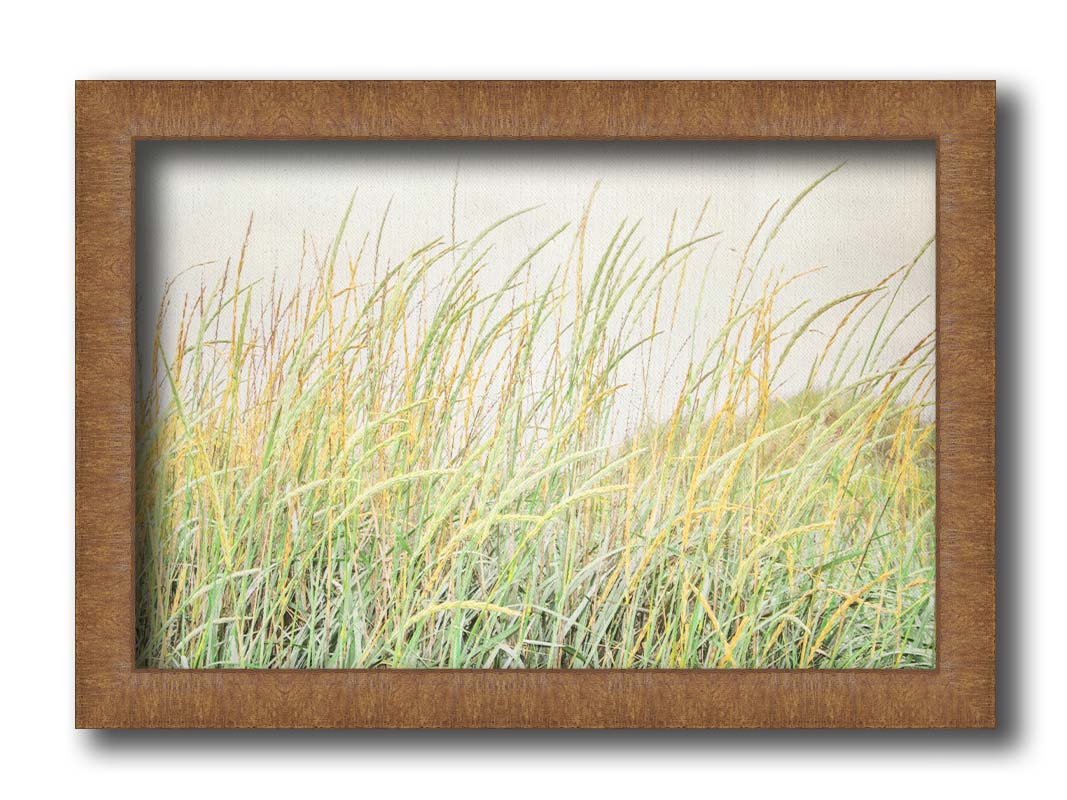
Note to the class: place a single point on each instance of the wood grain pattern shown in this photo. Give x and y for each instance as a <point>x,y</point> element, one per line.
<point>112,116</point>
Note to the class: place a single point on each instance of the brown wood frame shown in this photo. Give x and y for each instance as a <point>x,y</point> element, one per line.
<point>112,116</point>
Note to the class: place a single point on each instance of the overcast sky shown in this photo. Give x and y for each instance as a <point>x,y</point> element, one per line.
<point>874,214</point>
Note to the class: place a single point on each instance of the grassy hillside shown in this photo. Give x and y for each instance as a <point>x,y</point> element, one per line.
<point>384,467</point>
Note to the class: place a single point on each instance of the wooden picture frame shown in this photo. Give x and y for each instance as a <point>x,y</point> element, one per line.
<point>111,117</point>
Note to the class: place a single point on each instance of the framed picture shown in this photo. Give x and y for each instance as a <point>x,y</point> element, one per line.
<point>535,404</point>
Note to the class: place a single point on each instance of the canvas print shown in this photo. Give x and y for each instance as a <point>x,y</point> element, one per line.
<point>535,405</point>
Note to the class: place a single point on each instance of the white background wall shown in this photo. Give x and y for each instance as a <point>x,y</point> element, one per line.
<point>46,48</point>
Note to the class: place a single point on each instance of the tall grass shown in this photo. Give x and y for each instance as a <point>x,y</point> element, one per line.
<point>393,465</point>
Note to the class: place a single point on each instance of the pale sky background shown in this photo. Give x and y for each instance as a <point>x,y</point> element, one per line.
<point>870,217</point>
